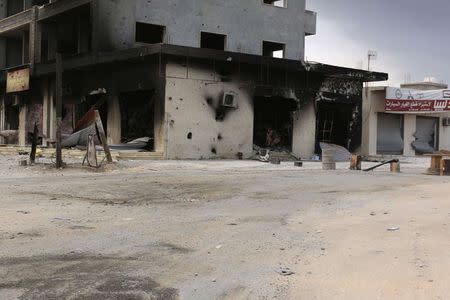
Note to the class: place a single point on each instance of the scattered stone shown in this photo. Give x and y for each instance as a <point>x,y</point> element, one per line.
<point>373,214</point>
<point>61,219</point>
<point>282,249</point>
<point>323,249</point>
<point>393,229</point>
<point>214,280</point>
<point>285,272</point>
<point>232,224</point>
<point>275,161</point>
<point>219,246</point>
<point>23,212</point>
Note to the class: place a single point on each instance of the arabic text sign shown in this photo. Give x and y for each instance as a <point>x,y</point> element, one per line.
<point>18,80</point>
<point>405,100</point>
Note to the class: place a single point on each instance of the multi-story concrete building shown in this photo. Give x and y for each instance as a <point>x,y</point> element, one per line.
<point>201,78</point>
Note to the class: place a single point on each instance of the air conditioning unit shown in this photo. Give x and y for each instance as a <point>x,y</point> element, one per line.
<point>229,100</point>
<point>446,122</point>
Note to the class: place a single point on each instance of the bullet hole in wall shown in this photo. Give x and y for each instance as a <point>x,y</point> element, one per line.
<point>189,136</point>
<point>219,137</point>
<point>213,150</point>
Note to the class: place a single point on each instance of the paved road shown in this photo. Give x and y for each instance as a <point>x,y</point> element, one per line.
<point>222,230</point>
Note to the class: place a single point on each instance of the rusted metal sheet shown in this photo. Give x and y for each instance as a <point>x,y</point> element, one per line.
<point>18,80</point>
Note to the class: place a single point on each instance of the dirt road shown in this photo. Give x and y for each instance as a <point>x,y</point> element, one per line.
<point>222,230</point>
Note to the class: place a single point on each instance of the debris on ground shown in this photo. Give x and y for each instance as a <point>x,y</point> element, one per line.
<point>340,153</point>
<point>393,229</point>
<point>285,272</point>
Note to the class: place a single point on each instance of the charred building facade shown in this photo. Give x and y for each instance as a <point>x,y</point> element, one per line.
<point>201,79</point>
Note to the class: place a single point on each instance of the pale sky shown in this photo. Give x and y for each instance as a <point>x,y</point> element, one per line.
<point>411,37</point>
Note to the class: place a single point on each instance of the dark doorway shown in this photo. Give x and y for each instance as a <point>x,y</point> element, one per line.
<point>137,113</point>
<point>334,123</point>
<point>273,122</point>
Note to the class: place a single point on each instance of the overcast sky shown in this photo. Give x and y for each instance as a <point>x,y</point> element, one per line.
<point>411,37</point>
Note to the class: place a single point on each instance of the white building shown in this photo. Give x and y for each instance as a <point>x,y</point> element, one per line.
<point>399,126</point>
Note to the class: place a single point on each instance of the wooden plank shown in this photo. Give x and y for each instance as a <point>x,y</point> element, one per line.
<point>102,136</point>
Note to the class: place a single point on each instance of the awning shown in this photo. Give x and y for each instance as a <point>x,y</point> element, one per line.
<point>416,101</point>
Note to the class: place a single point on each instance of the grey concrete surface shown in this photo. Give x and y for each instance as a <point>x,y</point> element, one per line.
<point>222,230</point>
<point>246,23</point>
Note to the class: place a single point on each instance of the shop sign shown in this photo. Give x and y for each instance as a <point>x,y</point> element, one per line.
<point>18,80</point>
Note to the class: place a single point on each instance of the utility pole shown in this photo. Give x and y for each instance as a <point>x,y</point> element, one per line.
<point>59,71</point>
<point>371,55</point>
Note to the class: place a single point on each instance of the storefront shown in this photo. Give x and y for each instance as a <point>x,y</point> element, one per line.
<point>398,121</point>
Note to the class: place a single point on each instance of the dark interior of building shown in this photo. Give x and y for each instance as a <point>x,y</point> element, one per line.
<point>137,112</point>
<point>273,122</point>
<point>333,123</point>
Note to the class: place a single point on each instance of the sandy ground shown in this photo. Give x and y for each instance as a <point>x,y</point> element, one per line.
<point>223,230</point>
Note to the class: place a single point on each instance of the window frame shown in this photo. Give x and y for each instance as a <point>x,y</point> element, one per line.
<point>273,42</point>
<point>225,42</point>
<point>271,5</point>
<point>164,34</point>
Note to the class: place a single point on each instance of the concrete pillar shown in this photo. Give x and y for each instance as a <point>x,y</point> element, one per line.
<point>304,131</point>
<point>52,43</point>
<point>3,14</point>
<point>35,38</point>
<point>2,117</point>
<point>159,128</point>
<point>23,125</point>
<point>51,111</point>
<point>369,124</point>
<point>114,120</point>
<point>444,135</point>
<point>410,130</point>
<point>45,111</point>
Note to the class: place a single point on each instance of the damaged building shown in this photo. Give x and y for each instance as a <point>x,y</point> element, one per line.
<point>411,120</point>
<point>197,79</point>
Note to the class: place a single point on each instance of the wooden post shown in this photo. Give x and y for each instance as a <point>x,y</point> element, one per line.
<point>395,167</point>
<point>59,162</point>
<point>355,162</point>
<point>34,144</point>
<point>102,136</point>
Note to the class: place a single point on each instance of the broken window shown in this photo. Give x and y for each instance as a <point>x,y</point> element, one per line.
<point>277,3</point>
<point>272,49</point>
<point>149,33</point>
<point>213,41</point>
